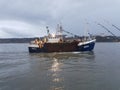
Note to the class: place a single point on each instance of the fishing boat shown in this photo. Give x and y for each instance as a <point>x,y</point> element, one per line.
<point>59,43</point>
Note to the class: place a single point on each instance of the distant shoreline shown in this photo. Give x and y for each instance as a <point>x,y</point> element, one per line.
<point>27,40</point>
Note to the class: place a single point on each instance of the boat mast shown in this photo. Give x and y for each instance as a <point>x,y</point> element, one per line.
<point>47,30</point>
<point>86,31</point>
<point>59,30</point>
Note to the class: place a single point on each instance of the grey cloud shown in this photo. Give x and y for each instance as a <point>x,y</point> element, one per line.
<point>72,13</point>
<point>48,10</point>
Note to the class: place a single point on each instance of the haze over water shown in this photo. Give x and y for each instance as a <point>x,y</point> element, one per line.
<point>97,70</point>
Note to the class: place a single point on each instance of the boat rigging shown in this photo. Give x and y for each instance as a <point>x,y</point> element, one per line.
<point>113,25</point>
<point>108,31</point>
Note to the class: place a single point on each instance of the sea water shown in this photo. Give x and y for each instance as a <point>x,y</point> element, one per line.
<point>96,70</point>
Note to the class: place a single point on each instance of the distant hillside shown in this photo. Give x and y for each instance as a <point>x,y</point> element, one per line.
<point>107,39</point>
<point>16,40</point>
<point>27,40</point>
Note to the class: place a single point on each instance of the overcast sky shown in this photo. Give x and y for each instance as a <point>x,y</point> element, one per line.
<point>29,18</point>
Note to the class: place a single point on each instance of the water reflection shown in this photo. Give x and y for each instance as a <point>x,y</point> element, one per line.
<point>57,64</point>
<point>57,78</point>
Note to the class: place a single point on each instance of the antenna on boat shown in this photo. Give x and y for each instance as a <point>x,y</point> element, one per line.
<point>47,30</point>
